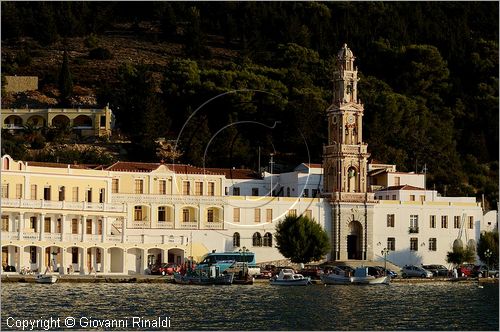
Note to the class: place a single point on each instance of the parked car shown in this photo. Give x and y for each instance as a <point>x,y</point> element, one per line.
<point>390,273</point>
<point>482,271</point>
<point>465,270</point>
<point>415,271</point>
<point>437,270</point>
<point>163,269</point>
<point>314,272</point>
<point>264,274</point>
<point>155,269</point>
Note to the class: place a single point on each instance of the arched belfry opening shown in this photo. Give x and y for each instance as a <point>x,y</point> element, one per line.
<point>352,180</point>
<point>354,240</point>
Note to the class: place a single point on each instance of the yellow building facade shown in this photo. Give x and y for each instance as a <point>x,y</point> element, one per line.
<point>73,219</point>
<point>84,122</point>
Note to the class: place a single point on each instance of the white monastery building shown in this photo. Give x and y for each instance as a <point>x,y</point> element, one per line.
<point>123,218</point>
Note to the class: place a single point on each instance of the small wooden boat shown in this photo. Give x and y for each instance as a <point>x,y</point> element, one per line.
<point>206,276</point>
<point>243,279</point>
<point>336,277</point>
<point>361,276</point>
<point>45,279</point>
<point>200,279</point>
<point>288,277</point>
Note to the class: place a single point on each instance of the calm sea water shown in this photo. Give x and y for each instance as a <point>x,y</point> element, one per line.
<point>435,306</point>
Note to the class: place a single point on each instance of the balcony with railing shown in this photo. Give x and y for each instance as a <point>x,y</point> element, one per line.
<point>12,236</point>
<point>189,225</point>
<point>345,149</point>
<point>52,237</point>
<point>353,197</point>
<point>139,224</point>
<point>213,225</point>
<point>413,229</point>
<point>165,224</point>
<point>114,238</point>
<point>62,205</point>
<point>170,199</point>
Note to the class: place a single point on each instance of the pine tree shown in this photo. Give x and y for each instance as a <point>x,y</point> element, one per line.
<point>65,80</point>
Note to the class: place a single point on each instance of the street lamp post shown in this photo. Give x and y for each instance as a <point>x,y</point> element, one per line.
<point>385,251</point>
<point>487,254</point>
<point>243,252</point>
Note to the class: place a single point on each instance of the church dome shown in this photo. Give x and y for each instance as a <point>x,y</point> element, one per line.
<point>345,53</point>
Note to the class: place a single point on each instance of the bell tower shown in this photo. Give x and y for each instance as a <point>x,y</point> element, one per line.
<point>345,156</point>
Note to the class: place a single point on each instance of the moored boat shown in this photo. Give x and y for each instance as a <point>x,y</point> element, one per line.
<point>206,276</point>
<point>361,276</point>
<point>336,277</point>
<point>288,277</point>
<point>197,279</point>
<point>45,279</point>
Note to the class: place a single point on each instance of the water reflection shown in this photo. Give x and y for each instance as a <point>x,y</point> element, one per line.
<point>437,306</point>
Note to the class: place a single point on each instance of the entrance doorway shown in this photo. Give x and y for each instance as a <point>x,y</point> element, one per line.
<point>354,240</point>
<point>352,247</point>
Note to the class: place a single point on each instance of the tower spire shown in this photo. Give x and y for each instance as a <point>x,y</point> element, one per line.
<point>345,156</point>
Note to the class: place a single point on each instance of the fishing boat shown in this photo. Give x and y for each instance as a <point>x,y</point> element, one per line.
<point>209,276</point>
<point>362,277</point>
<point>200,279</point>
<point>336,277</point>
<point>288,277</point>
<point>45,279</point>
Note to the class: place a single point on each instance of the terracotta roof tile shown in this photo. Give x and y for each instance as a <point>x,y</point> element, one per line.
<point>236,173</point>
<point>126,166</point>
<point>313,165</point>
<point>188,169</point>
<point>60,165</point>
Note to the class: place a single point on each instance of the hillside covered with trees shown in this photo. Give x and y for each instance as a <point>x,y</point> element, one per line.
<point>429,78</point>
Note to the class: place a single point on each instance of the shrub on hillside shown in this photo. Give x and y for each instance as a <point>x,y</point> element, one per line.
<point>100,53</point>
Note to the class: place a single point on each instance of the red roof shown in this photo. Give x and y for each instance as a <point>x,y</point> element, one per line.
<point>60,165</point>
<point>313,165</point>
<point>236,173</point>
<point>126,166</point>
<point>188,169</point>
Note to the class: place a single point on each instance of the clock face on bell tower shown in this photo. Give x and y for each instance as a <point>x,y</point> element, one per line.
<point>345,156</point>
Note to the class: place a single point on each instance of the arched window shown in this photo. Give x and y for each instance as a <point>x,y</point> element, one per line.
<point>257,240</point>
<point>236,239</point>
<point>268,240</point>
<point>6,163</point>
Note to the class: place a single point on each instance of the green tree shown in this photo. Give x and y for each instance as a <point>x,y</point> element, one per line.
<point>459,255</point>
<point>195,40</point>
<point>65,80</point>
<point>301,240</point>
<point>488,240</point>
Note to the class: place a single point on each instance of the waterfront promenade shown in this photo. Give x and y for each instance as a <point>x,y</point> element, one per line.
<point>169,279</point>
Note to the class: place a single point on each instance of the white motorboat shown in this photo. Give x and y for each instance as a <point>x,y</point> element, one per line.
<point>45,279</point>
<point>361,276</point>
<point>288,277</point>
<point>336,277</point>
